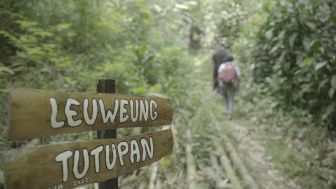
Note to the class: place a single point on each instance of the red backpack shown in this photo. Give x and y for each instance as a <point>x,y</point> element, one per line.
<point>228,74</point>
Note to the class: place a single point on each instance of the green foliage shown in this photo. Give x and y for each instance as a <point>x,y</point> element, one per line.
<point>298,147</point>
<point>286,52</point>
<point>294,57</point>
<point>68,45</point>
<point>231,17</point>
<point>295,164</point>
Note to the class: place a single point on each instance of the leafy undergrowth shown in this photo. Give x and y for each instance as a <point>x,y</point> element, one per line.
<point>303,151</point>
<point>292,105</point>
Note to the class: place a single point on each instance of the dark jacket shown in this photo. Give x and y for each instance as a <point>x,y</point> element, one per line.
<point>220,56</point>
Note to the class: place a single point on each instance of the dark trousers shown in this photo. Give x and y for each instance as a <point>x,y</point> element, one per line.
<point>228,91</point>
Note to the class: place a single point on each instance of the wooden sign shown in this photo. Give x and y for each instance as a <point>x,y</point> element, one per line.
<point>35,113</point>
<point>69,165</point>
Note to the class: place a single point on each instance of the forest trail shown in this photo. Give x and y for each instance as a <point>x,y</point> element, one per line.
<point>258,161</point>
<point>237,150</point>
<point>240,155</point>
<point>244,160</point>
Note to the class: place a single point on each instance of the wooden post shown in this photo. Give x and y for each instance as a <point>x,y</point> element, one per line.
<point>107,86</point>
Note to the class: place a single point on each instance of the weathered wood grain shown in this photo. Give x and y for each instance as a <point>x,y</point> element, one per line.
<point>31,112</point>
<point>36,167</point>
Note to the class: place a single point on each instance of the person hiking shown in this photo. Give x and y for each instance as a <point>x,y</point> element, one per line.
<point>228,82</point>
<point>221,55</point>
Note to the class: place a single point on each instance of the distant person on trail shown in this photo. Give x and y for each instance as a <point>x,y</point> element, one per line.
<point>228,83</point>
<point>220,56</point>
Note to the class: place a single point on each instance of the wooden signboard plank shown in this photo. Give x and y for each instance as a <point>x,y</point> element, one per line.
<point>35,113</point>
<point>69,165</point>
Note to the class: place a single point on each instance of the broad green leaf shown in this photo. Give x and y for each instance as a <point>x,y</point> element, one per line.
<point>307,44</point>
<point>322,84</point>
<point>330,109</point>
<point>333,82</point>
<point>155,88</point>
<point>41,33</point>
<point>26,23</point>
<point>269,33</point>
<point>140,90</point>
<point>7,35</point>
<point>320,65</point>
<point>274,49</point>
<point>316,44</point>
<point>2,175</point>
<point>307,61</point>
<point>331,92</point>
<point>63,26</point>
<point>292,40</point>
<point>194,3</point>
<point>182,6</point>
<point>311,25</point>
<point>4,69</point>
<point>282,34</point>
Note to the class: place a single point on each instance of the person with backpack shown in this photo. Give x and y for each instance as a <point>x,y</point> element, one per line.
<point>228,81</point>
<point>221,55</point>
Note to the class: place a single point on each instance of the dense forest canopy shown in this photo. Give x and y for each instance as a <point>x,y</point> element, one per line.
<point>67,45</point>
<point>296,57</point>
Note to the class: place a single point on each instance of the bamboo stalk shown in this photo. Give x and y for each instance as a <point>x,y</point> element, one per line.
<point>241,166</point>
<point>191,170</point>
<point>237,160</point>
<point>228,167</point>
<point>154,171</point>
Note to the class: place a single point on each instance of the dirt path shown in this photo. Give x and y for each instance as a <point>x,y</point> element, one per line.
<point>258,162</point>
<point>238,159</point>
